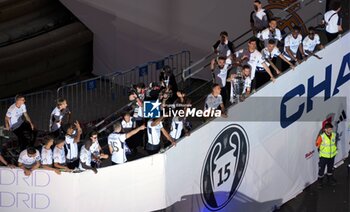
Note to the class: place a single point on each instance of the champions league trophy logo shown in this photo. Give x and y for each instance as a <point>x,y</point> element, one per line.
<point>224,167</point>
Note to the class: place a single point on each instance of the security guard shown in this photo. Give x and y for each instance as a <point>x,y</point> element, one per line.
<point>327,145</point>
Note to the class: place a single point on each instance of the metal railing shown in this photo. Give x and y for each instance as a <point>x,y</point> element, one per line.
<point>203,63</point>
<point>149,72</point>
<point>98,97</point>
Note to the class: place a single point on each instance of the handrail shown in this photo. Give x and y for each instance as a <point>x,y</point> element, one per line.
<point>154,61</point>
<point>184,77</point>
<point>129,104</point>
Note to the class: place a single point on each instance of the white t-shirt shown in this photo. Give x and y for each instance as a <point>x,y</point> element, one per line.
<point>117,141</point>
<point>266,35</point>
<point>55,119</point>
<point>247,84</point>
<point>332,21</point>
<point>269,55</point>
<point>85,157</point>
<point>309,44</point>
<point>26,160</point>
<point>153,133</point>
<point>46,156</point>
<point>255,60</point>
<point>293,44</point>
<point>95,147</point>
<point>176,128</point>
<point>213,102</point>
<point>72,147</point>
<point>127,125</point>
<point>221,75</point>
<point>58,155</point>
<point>16,115</point>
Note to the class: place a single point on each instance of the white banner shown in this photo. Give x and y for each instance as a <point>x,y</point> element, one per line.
<point>238,164</point>
<point>233,164</point>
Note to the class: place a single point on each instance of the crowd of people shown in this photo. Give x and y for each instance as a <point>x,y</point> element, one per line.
<point>236,74</point>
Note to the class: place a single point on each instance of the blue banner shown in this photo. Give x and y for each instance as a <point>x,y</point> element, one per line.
<point>159,64</point>
<point>143,70</point>
<point>91,85</point>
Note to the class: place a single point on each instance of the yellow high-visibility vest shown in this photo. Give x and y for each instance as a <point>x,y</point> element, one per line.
<point>328,147</point>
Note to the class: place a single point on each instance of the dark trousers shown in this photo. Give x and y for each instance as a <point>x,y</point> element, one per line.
<point>329,162</point>
<point>25,135</point>
<point>73,164</point>
<point>261,77</point>
<point>152,149</point>
<point>223,94</point>
<point>331,36</point>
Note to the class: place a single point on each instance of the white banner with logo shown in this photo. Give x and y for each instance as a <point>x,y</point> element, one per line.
<point>261,156</point>
<point>238,164</point>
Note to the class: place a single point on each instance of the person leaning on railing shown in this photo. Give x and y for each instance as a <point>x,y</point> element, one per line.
<point>292,45</point>
<point>312,43</point>
<point>251,56</point>
<point>29,160</point>
<point>271,53</point>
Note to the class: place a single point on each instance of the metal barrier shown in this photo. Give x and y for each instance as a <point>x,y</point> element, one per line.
<point>92,99</point>
<point>149,72</point>
<point>96,98</point>
<point>39,106</point>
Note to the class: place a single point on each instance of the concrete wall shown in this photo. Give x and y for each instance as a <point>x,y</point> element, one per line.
<point>128,33</point>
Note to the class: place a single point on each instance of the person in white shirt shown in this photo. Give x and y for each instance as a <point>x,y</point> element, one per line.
<point>272,32</point>
<point>312,43</point>
<point>20,126</point>
<point>214,100</point>
<point>223,48</point>
<point>235,87</point>
<point>332,21</point>
<point>137,96</point>
<point>29,160</point>
<point>116,143</point>
<point>72,139</point>
<point>85,157</point>
<point>46,155</point>
<point>220,70</point>
<point>96,150</point>
<point>254,58</point>
<point>270,52</point>
<point>128,124</point>
<point>57,116</point>
<point>154,130</point>
<point>59,157</point>
<point>293,43</point>
<point>259,17</point>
